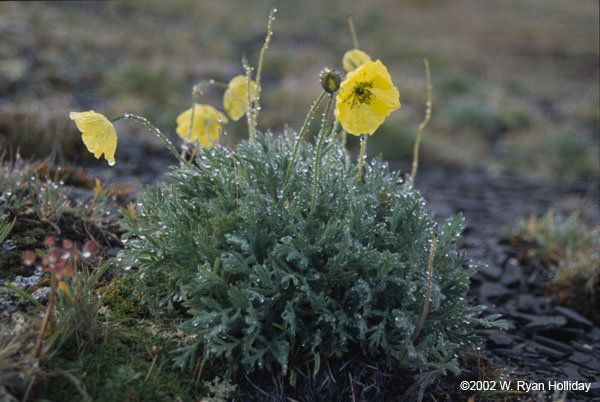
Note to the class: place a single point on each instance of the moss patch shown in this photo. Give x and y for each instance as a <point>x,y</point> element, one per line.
<point>129,365</point>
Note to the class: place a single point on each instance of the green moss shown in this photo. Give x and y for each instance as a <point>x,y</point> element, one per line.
<point>119,297</point>
<point>132,366</point>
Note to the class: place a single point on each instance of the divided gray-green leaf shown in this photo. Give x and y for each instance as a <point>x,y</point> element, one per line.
<point>268,284</point>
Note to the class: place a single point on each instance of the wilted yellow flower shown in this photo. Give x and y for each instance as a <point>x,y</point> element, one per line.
<point>365,98</point>
<point>354,58</point>
<point>63,286</point>
<point>207,128</point>
<point>98,134</point>
<point>235,99</point>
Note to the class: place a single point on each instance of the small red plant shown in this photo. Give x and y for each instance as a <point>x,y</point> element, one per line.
<point>59,262</point>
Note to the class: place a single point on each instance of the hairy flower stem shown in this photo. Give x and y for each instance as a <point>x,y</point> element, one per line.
<point>322,134</point>
<point>352,32</point>
<point>250,106</point>
<point>253,102</point>
<point>331,135</point>
<point>429,283</point>
<point>262,54</point>
<point>151,127</point>
<point>415,163</point>
<point>336,124</point>
<point>361,157</point>
<point>300,135</point>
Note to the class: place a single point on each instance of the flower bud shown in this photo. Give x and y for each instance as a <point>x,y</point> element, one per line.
<point>330,80</point>
<point>354,58</point>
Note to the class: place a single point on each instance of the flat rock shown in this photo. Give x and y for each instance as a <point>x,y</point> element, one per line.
<point>539,322</point>
<point>551,343</point>
<point>492,272</point>
<point>563,334</point>
<point>500,340</point>
<point>546,322</point>
<point>572,372</point>
<point>513,274</point>
<point>594,391</point>
<point>492,290</point>
<point>526,302</point>
<point>574,318</point>
<point>580,358</point>
<point>552,353</point>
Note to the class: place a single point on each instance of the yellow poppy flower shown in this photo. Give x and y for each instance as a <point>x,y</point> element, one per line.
<point>207,128</point>
<point>365,98</point>
<point>354,58</point>
<point>235,99</point>
<point>98,134</point>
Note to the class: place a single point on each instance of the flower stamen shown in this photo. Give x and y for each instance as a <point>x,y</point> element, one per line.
<point>361,93</point>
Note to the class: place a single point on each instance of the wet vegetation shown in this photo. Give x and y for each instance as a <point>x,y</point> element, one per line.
<point>262,267</point>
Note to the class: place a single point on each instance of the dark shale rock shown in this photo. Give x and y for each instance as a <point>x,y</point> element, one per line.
<point>546,322</point>
<point>492,272</point>
<point>551,343</point>
<point>492,290</point>
<point>574,318</point>
<point>500,340</point>
<point>513,274</point>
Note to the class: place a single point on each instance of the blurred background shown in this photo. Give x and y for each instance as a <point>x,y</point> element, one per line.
<point>516,83</point>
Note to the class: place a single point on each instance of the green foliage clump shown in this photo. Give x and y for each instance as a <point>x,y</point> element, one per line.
<point>572,155</point>
<point>267,283</point>
<point>127,365</point>
<point>119,297</point>
<point>472,114</point>
<point>568,246</point>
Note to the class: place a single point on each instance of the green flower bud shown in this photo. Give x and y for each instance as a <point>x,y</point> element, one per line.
<point>330,80</point>
<point>354,58</point>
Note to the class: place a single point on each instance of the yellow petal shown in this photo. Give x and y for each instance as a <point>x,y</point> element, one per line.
<point>359,119</point>
<point>235,99</point>
<point>354,58</point>
<point>365,98</point>
<point>207,128</point>
<point>98,134</point>
<point>63,286</point>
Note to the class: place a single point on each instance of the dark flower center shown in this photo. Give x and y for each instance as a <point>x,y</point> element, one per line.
<point>362,92</point>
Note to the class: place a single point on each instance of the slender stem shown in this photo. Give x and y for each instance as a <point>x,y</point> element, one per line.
<point>415,163</point>
<point>322,134</point>
<point>144,121</point>
<point>352,32</point>
<point>195,151</point>
<point>429,284</point>
<point>300,135</point>
<point>263,50</point>
<point>331,134</point>
<point>361,157</point>
<point>334,128</point>
<point>253,102</point>
<point>250,113</point>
